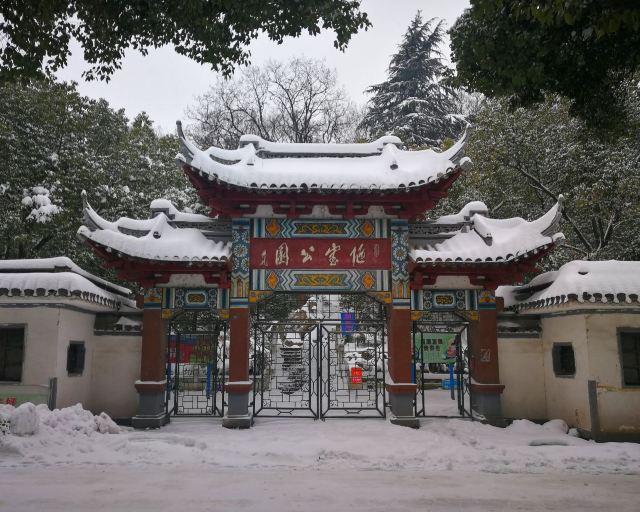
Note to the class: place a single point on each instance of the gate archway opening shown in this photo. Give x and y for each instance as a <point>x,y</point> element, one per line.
<point>441,366</point>
<point>196,363</point>
<point>319,356</point>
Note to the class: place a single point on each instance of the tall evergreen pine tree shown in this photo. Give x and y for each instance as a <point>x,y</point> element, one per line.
<point>414,103</point>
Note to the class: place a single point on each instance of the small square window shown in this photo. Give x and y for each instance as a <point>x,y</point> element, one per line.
<point>564,360</point>
<point>75,358</point>
<point>11,353</point>
<point>630,358</point>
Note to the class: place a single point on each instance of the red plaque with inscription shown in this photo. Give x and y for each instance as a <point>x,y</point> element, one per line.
<point>299,253</point>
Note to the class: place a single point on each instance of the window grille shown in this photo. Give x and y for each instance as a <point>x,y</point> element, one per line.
<point>11,353</point>
<point>630,358</point>
<point>75,358</point>
<point>564,360</point>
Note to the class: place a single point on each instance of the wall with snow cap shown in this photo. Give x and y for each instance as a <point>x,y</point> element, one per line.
<point>618,406</point>
<point>533,391</point>
<point>595,282</point>
<point>112,363</point>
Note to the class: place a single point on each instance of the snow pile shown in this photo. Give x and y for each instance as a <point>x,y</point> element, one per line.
<point>71,436</point>
<point>76,420</point>
<point>552,433</point>
<point>31,420</point>
<point>24,420</point>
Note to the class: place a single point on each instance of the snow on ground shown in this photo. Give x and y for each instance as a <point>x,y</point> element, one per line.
<point>285,462</point>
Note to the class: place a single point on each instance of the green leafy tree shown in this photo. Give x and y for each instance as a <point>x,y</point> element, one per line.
<point>414,102</point>
<point>54,144</point>
<point>35,36</point>
<point>581,49</point>
<point>525,158</point>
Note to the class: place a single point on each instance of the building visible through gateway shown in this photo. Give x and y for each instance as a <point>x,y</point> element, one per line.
<point>315,288</point>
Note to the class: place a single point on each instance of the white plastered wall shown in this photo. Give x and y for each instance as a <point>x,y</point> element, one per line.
<point>74,326</point>
<point>115,368</point>
<point>40,343</point>
<point>618,406</point>
<point>112,363</point>
<point>567,397</point>
<point>521,364</point>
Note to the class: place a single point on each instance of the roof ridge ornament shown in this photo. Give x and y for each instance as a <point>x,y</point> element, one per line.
<point>186,147</point>
<point>554,224</point>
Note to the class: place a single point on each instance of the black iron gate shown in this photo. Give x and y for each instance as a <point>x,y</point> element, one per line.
<point>285,369</point>
<point>443,386</point>
<point>196,364</point>
<point>353,371</point>
<point>318,369</point>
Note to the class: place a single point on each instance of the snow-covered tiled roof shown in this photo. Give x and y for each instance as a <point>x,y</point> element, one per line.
<point>481,239</point>
<point>582,281</point>
<point>59,264</point>
<point>60,277</point>
<point>159,238</point>
<point>378,165</point>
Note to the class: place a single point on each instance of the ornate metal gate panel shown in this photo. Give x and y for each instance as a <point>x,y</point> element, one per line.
<point>440,350</point>
<point>319,356</point>
<point>196,365</point>
<point>285,369</point>
<point>352,367</point>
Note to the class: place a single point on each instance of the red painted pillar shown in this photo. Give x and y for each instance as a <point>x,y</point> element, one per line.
<point>400,387</point>
<point>483,347</point>
<point>154,347</point>
<point>152,384</point>
<point>239,386</point>
<point>239,347</point>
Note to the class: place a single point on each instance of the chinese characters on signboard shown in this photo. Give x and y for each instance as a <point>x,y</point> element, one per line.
<point>320,254</point>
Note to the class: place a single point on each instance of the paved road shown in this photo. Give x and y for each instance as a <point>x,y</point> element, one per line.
<point>202,488</point>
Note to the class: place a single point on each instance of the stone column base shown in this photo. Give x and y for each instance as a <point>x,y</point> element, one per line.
<point>151,407</point>
<point>160,420</point>
<point>401,398</point>
<point>245,421</point>
<point>486,402</point>
<point>238,415</point>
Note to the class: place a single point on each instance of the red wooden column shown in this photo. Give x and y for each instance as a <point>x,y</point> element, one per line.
<point>401,389</point>
<point>483,345</point>
<point>239,386</point>
<point>153,381</point>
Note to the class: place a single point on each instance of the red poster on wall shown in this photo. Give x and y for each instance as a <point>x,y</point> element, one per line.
<point>356,375</point>
<point>297,253</point>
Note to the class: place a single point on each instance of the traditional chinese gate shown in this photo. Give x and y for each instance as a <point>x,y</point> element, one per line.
<point>314,363</point>
<point>441,360</point>
<point>196,364</point>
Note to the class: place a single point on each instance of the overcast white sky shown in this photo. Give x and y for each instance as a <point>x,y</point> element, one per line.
<point>163,83</point>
